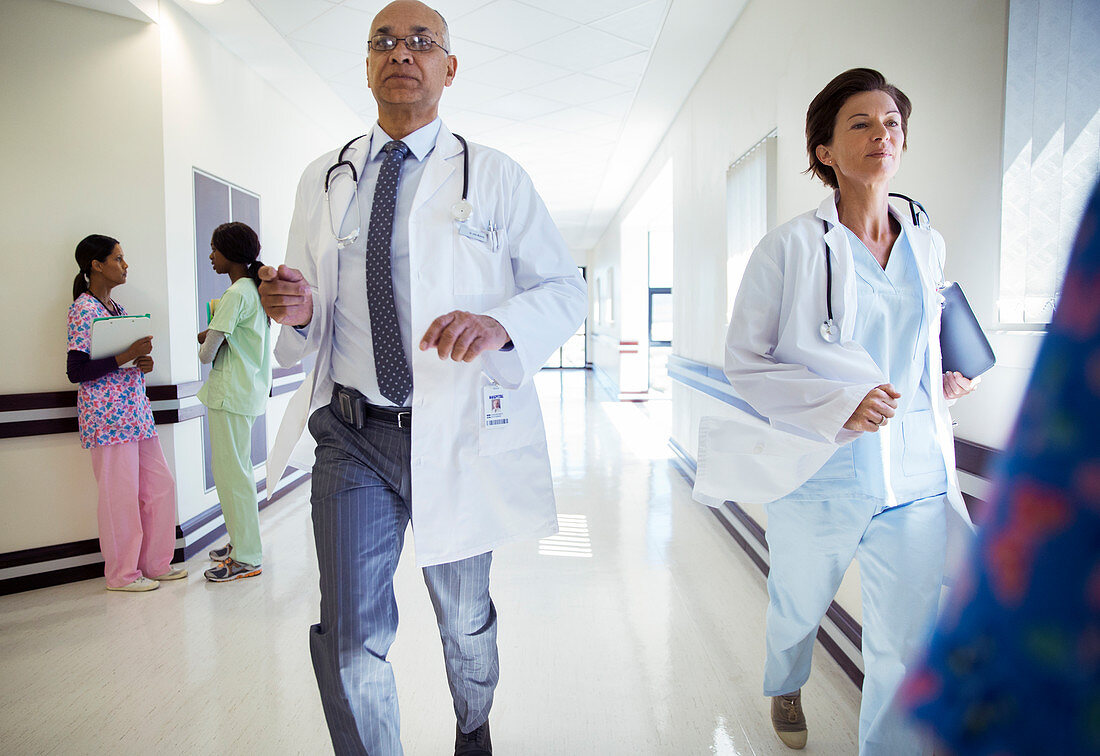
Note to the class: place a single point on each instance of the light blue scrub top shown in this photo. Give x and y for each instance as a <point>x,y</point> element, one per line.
<point>891,325</point>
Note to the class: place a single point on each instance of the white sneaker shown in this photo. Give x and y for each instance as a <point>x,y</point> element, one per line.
<point>141,584</point>
<point>174,573</point>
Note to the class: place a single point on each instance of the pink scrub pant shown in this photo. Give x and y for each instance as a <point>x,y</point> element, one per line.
<point>137,510</point>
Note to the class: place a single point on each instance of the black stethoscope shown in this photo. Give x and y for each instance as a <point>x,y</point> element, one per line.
<point>460,210</point>
<point>830,331</point>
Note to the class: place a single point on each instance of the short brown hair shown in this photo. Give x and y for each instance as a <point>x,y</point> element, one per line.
<point>822,113</point>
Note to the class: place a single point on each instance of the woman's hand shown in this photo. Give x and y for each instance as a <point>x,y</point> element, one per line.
<point>956,384</point>
<point>144,363</point>
<point>139,348</point>
<point>202,335</point>
<point>875,409</point>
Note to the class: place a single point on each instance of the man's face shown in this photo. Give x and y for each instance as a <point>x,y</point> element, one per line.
<point>404,78</point>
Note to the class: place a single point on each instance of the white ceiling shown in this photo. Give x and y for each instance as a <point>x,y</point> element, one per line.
<point>580,92</point>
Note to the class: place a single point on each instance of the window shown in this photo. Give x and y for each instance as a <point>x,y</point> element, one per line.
<point>1051,148</point>
<point>750,209</point>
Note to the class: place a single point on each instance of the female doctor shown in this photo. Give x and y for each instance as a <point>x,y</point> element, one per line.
<point>866,385</point>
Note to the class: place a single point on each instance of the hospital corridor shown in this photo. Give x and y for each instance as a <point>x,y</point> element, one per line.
<point>550,378</point>
<point>638,629</point>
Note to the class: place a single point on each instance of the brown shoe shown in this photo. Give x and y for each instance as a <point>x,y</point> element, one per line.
<point>789,721</point>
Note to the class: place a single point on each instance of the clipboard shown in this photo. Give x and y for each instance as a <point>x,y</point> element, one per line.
<point>110,336</point>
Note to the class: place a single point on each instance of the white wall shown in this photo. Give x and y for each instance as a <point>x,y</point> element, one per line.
<point>80,142</point>
<point>104,120</point>
<point>948,56</point>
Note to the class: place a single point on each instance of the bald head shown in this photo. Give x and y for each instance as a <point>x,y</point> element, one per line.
<point>443,33</point>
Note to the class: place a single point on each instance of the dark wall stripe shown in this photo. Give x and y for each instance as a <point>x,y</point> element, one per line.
<point>48,579</point>
<point>41,400</point>
<point>91,546</point>
<point>25,428</point>
<point>49,553</point>
<point>975,458</point>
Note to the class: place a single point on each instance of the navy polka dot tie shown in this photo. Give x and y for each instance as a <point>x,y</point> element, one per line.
<point>390,364</point>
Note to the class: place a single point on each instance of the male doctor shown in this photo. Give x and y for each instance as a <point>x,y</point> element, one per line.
<point>428,323</point>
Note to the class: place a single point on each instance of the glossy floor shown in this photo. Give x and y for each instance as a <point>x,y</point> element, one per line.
<point>638,630</point>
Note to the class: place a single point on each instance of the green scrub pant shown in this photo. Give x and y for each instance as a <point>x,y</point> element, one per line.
<point>231,449</point>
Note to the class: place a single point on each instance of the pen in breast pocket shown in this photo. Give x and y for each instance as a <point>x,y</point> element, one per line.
<point>492,234</point>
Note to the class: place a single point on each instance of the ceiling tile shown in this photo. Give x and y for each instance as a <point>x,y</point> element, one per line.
<point>578,89</point>
<point>627,71</point>
<point>519,106</point>
<point>584,11</point>
<point>290,15</point>
<point>456,9</point>
<point>472,54</point>
<point>639,24</point>
<point>450,9</point>
<point>356,76</point>
<point>358,99</point>
<point>467,94</point>
<point>511,25</point>
<point>582,49</point>
<point>572,119</point>
<point>617,106</point>
<point>473,125</point>
<point>325,60</point>
<point>514,72</point>
<point>341,28</point>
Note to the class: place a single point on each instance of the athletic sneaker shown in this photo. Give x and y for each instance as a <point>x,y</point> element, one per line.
<point>174,573</point>
<point>231,569</point>
<point>220,555</point>
<point>139,585</point>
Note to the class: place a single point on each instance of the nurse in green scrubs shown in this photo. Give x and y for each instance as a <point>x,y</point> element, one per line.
<point>237,341</point>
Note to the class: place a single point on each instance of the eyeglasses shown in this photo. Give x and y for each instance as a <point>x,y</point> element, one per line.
<point>414,42</point>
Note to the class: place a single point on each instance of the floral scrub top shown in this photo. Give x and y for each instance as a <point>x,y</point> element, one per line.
<point>1014,667</point>
<point>112,409</point>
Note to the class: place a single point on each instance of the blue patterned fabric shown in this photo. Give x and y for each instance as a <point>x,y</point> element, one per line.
<point>1014,667</point>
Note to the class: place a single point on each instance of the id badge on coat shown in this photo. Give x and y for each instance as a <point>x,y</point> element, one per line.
<point>495,406</point>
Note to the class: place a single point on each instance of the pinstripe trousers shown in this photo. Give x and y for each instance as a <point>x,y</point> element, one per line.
<point>361,505</point>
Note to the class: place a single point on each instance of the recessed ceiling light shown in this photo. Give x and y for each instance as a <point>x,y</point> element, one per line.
<point>208,2</point>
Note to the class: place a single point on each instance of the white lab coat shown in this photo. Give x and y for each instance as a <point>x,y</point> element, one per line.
<point>803,388</point>
<point>473,488</point>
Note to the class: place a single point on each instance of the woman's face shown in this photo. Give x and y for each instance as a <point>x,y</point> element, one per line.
<point>867,140</point>
<point>113,268</point>
<point>218,261</point>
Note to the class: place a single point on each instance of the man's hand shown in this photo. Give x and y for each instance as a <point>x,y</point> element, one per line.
<point>462,336</point>
<point>956,384</point>
<point>875,409</point>
<point>285,295</point>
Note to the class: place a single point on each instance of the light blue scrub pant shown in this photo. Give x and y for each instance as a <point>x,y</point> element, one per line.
<point>361,508</point>
<point>901,561</point>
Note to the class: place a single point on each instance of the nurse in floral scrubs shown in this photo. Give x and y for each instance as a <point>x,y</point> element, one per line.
<point>137,498</point>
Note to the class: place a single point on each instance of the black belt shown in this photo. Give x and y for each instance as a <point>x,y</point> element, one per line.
<point>354,409</point>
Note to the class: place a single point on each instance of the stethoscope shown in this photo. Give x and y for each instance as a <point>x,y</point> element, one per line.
<point>830,331</point>
<point>460,210</point>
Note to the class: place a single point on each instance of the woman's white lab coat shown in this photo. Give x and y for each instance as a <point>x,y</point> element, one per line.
<point>473,487</point>
<point>803,388</point>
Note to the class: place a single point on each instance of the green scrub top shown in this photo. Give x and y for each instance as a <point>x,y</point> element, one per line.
<point>240,378</point>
